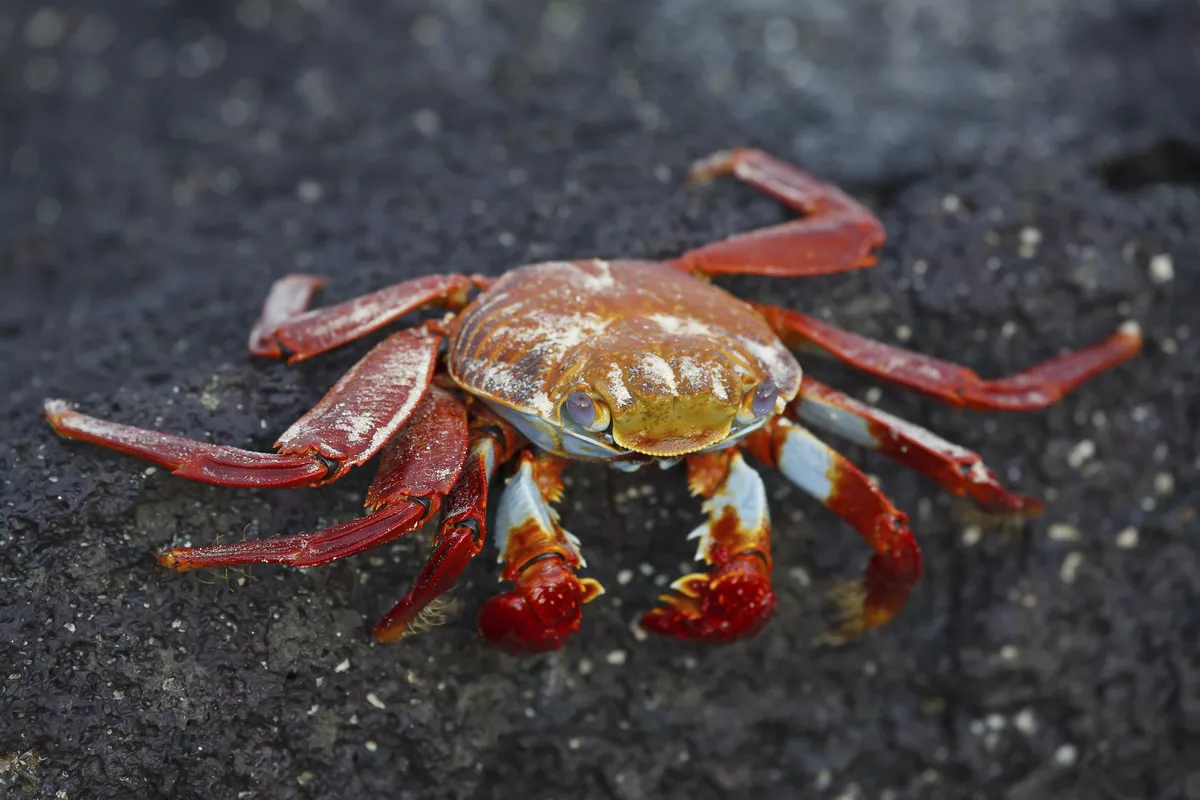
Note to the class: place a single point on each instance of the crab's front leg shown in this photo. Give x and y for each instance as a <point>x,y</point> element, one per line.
<point>734,598</point>
<point>544,608</point>
<point>842,487</point>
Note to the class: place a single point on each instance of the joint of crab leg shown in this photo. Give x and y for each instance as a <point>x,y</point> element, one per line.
<point>459,539</point>
<point>955,468</point>
<point>544,607</point>
<point>734,598</point>
<point>830,478</point>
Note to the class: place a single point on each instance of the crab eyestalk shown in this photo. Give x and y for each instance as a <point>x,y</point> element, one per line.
<point>544,608</point>
<point>734,598</point>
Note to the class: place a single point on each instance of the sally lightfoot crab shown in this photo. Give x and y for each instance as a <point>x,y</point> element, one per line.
<point>625,362</point>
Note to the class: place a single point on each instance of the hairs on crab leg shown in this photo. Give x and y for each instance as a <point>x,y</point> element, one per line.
<point>734,598</point>
<point>955,468</point>
<point>544,608</point>
<point>1037,387</point>
<point>344,429</point>
<point>463,529</point>
<point>285,330</point>
<point>844,489</point>
<point>416,469</point>
<point>836,233</point>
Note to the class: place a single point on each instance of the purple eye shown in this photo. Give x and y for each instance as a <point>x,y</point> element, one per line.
<point>581,409</point>
<point>764,398</point>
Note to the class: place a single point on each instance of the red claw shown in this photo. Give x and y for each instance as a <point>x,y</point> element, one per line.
<point>731,601</point>
<point>542,612</point>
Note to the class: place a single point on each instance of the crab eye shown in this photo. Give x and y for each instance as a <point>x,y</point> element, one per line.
<point>765,395</point>
<point>758,402</point>
<point>586,412</point>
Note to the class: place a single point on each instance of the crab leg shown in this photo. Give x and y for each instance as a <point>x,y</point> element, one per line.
<point>955,468</point>
<point>462,532</point>
<point>540,558</point>
<point>289,297</point>
<point>844,489</point>
<point>1034,388</point>
<point>416,469</point>
<point>734,598</point>
<point>345,428</point>
<point>836,234</point>
<point>283,332</point>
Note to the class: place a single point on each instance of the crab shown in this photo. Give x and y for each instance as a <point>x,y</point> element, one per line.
<point>624,362</point>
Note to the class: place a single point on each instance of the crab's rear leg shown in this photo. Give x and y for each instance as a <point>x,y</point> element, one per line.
<point>463,529</point>
<point>1037,387</point>
<point>844,489</point>
<point>955,468</point>
<point>544,608</point>
<point>346,427</point>
<point>286,330</point>
<point>734,598</point>
<point>836,233</point>
<point>416,469</point>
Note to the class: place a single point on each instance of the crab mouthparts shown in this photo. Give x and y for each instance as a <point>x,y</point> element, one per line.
<point>669,435</point>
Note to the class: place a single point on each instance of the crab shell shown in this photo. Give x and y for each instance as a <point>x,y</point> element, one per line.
<point>671,356</point>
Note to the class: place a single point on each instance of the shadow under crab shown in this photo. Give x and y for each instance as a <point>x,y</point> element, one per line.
<point>624,362</point>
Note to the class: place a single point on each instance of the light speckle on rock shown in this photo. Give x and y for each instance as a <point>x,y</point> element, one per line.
<point>1065,755</point>
<point>1127,539</point>
<point>1162,269</point>
<point>1062,532</point>
<point>1080,453</point>
<point>1070,566</point>
<point>309,191</point>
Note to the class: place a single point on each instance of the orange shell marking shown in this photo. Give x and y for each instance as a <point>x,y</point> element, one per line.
<point>671,355</point>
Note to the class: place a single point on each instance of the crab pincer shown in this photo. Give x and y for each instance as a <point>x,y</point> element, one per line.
<point>544,608</point>
<point>734,598</point>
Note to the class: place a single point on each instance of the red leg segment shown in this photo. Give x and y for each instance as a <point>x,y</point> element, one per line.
<point>955,468</point>
<point>323,329</point>
<point>837,233</point>
<point>462,532</point>
<point>289,297</point>
<point>417,468</point>
<point>546,604</point>
<point>844,489</point>
<point>734,598</point>
<point>345,428</point>
<point>1034,388</point>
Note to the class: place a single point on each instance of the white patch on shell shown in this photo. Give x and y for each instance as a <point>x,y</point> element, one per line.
<point>683,326</point>
<point>602,280</point>
<point>656,368</point>
<point>616,387</point>
<point>693,374</point>
<point>718,387</point>
<point>541,404</point>
<point>777,360</point>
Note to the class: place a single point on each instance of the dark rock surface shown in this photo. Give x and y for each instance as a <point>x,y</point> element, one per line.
<point>162,163</point>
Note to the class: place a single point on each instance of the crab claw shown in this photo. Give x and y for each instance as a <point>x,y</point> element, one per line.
<point>542,612</point>
<point>731,601</point>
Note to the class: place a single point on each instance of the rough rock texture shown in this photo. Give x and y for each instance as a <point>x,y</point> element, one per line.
<point>1038,166</point>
